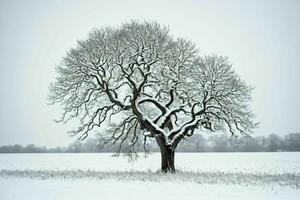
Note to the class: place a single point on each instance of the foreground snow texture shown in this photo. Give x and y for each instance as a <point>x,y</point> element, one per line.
<point>101,176</point>
<point>35,189</point>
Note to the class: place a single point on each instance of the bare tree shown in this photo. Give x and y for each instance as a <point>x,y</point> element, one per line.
<point>142,83</point>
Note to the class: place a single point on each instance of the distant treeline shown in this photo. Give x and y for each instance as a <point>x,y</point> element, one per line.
<point>221,143</point>
<point>197,143</point>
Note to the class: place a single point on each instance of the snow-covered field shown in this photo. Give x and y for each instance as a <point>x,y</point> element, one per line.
<point>101,176</point>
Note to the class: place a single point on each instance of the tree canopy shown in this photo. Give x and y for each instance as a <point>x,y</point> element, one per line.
<point>141,82</point>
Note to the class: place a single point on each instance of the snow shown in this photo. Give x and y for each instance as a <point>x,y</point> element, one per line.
<point>101,176</point>
<point>17,189</point>
<point>271,163</point>
<point>245,179</point>
<point>161,120</point>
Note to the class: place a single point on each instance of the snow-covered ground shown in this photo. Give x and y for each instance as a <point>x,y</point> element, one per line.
<point>101,176</point>
<point>281,162</point>
<point>35,189</point>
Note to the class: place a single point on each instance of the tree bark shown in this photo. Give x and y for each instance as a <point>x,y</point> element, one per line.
<point>167,159</point>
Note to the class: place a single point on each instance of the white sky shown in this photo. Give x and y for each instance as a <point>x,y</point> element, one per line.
<point>261,39</point>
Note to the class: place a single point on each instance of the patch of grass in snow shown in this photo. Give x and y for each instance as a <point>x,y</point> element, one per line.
<point>288,179</point>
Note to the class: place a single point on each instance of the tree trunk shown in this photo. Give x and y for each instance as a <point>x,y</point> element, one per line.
<point>167,155</point>
<point>167,158</point>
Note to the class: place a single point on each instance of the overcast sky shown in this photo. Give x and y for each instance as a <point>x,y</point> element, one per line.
<point>261,39</point>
